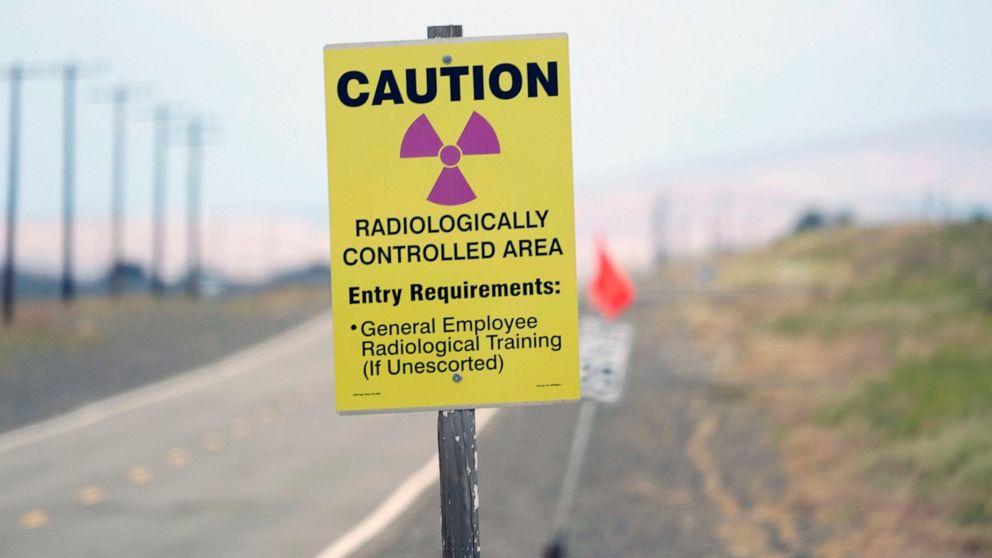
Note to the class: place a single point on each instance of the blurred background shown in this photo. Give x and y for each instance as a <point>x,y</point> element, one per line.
<point>800,191</point>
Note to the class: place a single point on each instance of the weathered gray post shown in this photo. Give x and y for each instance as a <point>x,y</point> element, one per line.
<point>456,450</point>
<point>459,483</point>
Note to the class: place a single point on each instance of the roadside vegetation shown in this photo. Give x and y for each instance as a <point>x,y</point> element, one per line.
<point>873,349</point>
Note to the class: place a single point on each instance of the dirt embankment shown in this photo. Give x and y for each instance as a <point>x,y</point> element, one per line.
<point>872,348</point>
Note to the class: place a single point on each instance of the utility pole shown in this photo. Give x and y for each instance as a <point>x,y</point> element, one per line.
<point>15,76</point>
<point>70,74</point>
<point>659,230</point>
<point>925,205</point>
<point>721,223</point>
<point>946,210</point>
<point>159,169</point>
<point>716,242</point>
<point>196,130</point>
<point>69,80</point>
<point>120,97</point>
<point>194,138</point>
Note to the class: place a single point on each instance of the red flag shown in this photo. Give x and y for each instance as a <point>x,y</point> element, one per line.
<point>610,291</point>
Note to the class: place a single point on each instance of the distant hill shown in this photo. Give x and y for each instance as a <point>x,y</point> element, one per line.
<point>314,274</point>
<point>42,286</point>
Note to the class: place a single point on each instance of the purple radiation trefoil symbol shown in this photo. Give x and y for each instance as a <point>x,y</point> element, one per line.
<point>451,187</point>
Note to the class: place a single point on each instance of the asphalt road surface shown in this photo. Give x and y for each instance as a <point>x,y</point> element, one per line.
<point>247,458</point>
<point>242,458</point>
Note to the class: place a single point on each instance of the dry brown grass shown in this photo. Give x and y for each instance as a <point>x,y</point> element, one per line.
<point>810,323</point>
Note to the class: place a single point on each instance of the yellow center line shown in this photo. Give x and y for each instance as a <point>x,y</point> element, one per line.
<point>178,457</point>
<point>34,519</point>
<point>241,427</point>
<point>90,495</point>
<point>139,475</point>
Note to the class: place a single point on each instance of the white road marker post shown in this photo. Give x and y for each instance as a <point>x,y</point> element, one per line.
<point>557,548</point>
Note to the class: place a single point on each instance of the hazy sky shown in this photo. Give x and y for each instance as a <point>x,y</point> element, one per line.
<point>654,83</point>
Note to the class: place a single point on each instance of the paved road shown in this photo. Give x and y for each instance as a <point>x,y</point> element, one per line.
<point>247,458</point>
<point>243,458</point>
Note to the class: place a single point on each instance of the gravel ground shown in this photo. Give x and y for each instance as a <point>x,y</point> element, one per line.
<point>681,467</point>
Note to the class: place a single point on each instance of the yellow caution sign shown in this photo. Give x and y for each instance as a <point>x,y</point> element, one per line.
<point>449,166</point>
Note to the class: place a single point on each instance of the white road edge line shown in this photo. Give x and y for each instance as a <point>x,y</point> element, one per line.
<point>227,368</point>
<point>396,503</point>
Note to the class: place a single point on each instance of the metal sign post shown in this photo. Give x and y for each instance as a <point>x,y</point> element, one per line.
<point>604,348</point>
